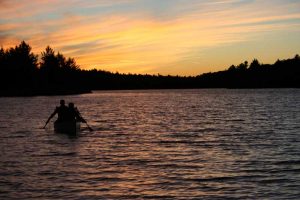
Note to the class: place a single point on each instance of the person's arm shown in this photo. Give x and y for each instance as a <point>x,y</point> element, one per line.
<point>52,115</point>
<point>79,116</point>
<point>81,119</point>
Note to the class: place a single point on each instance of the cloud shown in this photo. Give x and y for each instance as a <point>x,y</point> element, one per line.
<point>146,36</point>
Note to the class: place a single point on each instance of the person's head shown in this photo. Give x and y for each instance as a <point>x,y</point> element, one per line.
<point>71,105</point>
<point>62,102</point>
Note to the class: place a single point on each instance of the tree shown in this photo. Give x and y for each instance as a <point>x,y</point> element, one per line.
<point>243,66</point>
<point>22,59</point>
<point>232,68</point>
<point>254,64</point>
<point>19,66</point>
<point>2,58</point>
<point>49,65</point>
<point>49,60</point>
<point>71,64</point>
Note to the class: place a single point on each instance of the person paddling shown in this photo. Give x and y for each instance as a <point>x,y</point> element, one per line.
<point>61,111</point>
<point>74,114</point>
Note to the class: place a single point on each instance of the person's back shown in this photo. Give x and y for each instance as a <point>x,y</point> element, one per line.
<point>62,113</point>
<point>74,114</point>
<point>70,115</point>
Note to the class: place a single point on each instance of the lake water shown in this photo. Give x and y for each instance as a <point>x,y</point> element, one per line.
<point>156,144</point>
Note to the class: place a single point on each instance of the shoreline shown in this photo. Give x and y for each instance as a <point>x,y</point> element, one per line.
<point>64,93</point>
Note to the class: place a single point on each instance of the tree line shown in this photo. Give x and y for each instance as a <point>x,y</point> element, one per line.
<point>23,73</point>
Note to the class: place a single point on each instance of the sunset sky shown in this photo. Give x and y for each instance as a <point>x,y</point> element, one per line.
<point>178,37</point>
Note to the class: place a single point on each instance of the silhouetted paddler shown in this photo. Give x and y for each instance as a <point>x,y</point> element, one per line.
<point>61,111</point>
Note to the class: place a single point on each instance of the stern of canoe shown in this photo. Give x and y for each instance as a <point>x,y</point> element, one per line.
<point>71,128</point>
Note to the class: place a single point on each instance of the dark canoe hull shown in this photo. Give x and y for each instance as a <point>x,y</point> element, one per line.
<point>70,128</point>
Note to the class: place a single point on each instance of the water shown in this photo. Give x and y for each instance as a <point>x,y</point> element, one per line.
<point>168,144</point>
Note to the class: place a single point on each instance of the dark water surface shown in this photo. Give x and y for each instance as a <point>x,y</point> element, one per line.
<point>168,144</point>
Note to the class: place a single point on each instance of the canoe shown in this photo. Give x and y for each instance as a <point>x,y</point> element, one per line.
<point>71,128</point>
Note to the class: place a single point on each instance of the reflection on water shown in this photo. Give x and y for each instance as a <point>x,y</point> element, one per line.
<point>168,144</point>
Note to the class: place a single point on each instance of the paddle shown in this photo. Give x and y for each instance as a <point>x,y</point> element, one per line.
<point>48,120</point>
<point>90,129</point>
<point>45,124</point>
<point>84,121</point>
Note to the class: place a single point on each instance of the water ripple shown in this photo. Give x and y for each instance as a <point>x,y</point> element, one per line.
<point>168,144</point>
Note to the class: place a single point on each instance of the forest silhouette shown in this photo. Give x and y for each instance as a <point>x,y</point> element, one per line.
<point>22,73</point>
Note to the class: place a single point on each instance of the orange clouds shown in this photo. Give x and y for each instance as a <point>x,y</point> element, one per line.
<point>140,43</point>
